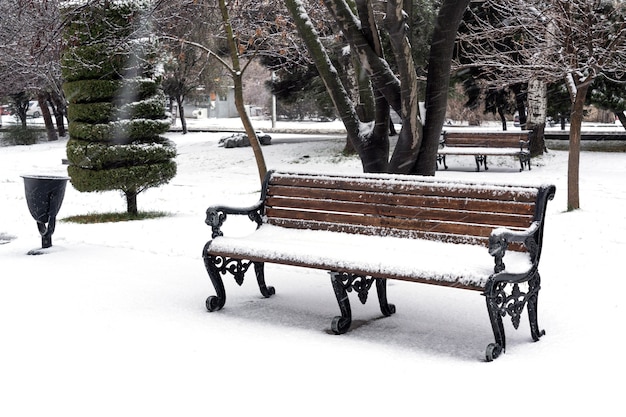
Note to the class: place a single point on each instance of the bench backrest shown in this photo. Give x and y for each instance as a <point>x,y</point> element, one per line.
<point>400,206</point>
<point>486,139</point>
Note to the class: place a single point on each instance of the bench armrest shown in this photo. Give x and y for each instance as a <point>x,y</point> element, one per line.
<point>500,239</point>
<point>216,215</point>
<point>524,145</point>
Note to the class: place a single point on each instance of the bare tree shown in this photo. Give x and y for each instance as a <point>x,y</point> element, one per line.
<point>418,140</point>
<point>187,68</point>
<point>30,47</point>
<point>575,41</point>
<point>239,33</point>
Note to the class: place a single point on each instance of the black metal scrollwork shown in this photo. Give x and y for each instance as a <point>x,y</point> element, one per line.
<point>512,303</point>
<point>255,216</point>
<point>502,302</point>
<point>359,283</point>
<point>215,219</point>
<point>236,267</point>
<point>217,266</point>
<point>343,283</point>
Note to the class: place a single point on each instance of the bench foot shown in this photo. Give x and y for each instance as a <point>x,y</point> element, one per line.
<point>493,351</point>
<point>214,303</point>
<point>340,324</point>
<point>343,283</point>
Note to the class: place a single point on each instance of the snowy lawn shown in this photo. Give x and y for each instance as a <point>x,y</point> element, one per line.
<point>112,322</point>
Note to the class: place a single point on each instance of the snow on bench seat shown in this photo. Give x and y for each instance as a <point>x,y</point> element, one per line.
<point>471,150</point>
<point>393,257</point>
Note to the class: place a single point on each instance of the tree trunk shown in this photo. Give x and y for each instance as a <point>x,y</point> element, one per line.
<point>537,113</point>
<point>237,73</point>
<point>42,98</point>
<point>131,202</point>
<point>520,103</point>
<point>409,140</point>
<point>573,162</point>
<point>438,82</point>
<point>181,114</point>
<point>502,118</point>
<point>60,109</point>
<point>247,125</point>
<point>328,74</point>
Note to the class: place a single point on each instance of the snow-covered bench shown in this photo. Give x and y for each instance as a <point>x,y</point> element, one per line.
<point>368,228</point>
<point>483,144</point>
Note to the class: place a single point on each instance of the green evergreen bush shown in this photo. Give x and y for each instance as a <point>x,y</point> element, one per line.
<point>91,91</point>
<point>18,135</point>
<point>116,107</point>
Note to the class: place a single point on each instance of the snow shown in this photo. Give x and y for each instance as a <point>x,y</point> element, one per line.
<point>111,321</point>
<point>387,255</point>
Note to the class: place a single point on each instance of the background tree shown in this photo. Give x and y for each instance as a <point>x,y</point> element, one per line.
<point>417,144</point>
<point>186,67</point>
<point>30,47</point>
<point>117,110</point>
<point>609,92</point>
<point>575,42</point>
<point>243,32</point>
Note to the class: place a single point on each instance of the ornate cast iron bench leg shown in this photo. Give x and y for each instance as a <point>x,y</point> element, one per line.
<point>341,324</point>
<point>533,291</point>
<point>494,301</point>
<point>441,159</point>
<point>481,160</point>
<point>217,266</point>
<point>344,283</point>
<point>259,270</point>
<point>501,303</point>
<point>214,302</point>
<point>381,288</point>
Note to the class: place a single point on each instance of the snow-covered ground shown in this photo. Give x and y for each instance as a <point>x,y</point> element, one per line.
<point>112,322</point>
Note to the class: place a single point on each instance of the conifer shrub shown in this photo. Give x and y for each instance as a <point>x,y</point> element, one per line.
<point>116,106</point>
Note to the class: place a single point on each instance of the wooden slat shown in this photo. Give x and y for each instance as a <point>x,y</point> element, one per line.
<point>398,206</point>
<point>493,135</point>
<point>485,139</point>
<point>378,231</point>
<point>405,212</point>
<point>389,223</point>
<point>516,193</point>
<point>364,196</point>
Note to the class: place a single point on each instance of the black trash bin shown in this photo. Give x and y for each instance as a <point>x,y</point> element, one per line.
<point>44,196</point>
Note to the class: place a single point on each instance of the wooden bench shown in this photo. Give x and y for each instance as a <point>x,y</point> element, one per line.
<point>365,229</point>
<point>483,144</point>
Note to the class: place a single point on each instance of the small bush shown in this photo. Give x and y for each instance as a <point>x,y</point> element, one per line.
<point>113,217</point>
<point>17,135</point>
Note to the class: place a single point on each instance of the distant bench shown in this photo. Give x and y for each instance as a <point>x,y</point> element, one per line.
<point>483,144</point>
<point>365,229</point>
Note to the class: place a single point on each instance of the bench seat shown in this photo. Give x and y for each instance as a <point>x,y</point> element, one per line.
<point>384,257</point>
<point>475,150</point>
